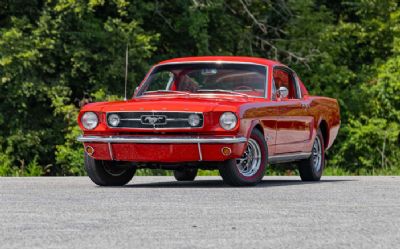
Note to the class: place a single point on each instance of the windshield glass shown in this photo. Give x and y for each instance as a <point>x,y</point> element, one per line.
<point>202,78</point>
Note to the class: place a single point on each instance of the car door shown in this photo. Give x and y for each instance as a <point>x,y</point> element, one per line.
<point>293,122</point>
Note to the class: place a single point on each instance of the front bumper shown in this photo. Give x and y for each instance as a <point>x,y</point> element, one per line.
<point>164,148</point>
<point>162,139</point>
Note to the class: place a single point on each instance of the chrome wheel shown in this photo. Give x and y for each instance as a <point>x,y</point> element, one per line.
<point>317,154</point>
<point>113,169</point>
<point>249,164</point>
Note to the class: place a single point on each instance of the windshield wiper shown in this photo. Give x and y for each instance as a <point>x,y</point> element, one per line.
<point>166,91</point>
<point>222,91</point>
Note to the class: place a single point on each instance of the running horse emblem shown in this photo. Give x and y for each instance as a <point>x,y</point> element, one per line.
<point>152,120</point>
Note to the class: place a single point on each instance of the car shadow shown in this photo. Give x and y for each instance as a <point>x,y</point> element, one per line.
<point>216,183</point>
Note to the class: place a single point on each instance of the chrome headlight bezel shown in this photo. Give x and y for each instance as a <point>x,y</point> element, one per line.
<point>228,120</point>
<point>113,120</point>
<point>89,120</point>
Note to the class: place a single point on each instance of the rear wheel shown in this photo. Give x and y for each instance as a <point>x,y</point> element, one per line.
<point>250,168</point>
<point>108,173</point>
<point>185,174</point>
<point>311,169</point>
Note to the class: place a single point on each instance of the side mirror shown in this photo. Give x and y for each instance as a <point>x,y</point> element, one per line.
<point>283,92</point>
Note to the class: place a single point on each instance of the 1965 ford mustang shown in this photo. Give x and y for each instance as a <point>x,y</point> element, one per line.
<point>234,114</point>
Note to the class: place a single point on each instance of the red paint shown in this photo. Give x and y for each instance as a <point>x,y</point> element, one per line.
<point>290,125</point>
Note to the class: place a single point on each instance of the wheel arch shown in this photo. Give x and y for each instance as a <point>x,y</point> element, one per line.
<point>323,126</point>
<point>255,124</point>
<point>259,127</point>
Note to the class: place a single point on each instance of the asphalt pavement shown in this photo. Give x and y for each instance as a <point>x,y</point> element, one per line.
<point>158,212</point>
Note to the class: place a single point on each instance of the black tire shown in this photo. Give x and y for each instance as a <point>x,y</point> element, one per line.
<point>100,172</point>
<point>185,174</point>
<point>309,169</point>
<point>232,175</point>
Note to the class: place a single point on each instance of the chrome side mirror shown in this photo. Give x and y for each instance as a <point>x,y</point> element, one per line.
<point>283,92</point>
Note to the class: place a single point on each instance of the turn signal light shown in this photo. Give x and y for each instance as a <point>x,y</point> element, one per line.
<point>89,150</point>
<point>226,151</point>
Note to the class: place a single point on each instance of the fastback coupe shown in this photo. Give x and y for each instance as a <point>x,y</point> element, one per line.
<point>234,114</point>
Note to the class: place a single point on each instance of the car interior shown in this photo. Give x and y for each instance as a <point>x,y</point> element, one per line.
<point>251,83</point>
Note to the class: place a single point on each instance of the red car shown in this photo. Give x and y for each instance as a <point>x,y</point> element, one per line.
<point>234,114</point>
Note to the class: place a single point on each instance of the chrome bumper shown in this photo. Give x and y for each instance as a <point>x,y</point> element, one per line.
<point>162,139</point>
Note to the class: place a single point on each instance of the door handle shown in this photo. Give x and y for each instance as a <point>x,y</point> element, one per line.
<point>305,105</point>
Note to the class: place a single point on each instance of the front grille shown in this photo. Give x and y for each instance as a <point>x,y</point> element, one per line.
<point>155,119</point>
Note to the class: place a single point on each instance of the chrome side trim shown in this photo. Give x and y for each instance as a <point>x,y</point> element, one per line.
<point>284,158</point>
<point>162,139</point>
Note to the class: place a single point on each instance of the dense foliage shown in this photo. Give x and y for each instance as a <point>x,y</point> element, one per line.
<point>56,55</point>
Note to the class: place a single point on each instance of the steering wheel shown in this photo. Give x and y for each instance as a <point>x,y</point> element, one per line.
<point>246,88</point>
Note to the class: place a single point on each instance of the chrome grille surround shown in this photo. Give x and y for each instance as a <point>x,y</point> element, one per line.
<point>155,120</point>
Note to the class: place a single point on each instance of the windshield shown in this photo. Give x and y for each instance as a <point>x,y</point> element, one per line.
<point>202,78</point>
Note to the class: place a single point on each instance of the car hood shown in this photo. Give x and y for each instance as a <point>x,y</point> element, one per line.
<point>196,103</point>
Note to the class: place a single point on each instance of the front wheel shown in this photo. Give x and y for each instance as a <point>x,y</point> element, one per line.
<point>311,169</point>
<point>250,168</point>
<point>108,173</point>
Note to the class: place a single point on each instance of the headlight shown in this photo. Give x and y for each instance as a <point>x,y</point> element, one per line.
<point>228,120</point>
<point>113,120</point>
<point>194,120</point>
<point>89,120</point>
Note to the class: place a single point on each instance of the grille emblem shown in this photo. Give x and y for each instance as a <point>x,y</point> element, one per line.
<point>153,119</point>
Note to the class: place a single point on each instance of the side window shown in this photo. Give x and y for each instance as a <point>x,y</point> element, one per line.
<point>285,78</point>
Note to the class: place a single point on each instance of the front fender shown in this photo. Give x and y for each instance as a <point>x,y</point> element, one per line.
<point>247,126</point>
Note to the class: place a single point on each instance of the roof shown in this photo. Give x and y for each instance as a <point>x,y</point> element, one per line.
<point>243,59</point>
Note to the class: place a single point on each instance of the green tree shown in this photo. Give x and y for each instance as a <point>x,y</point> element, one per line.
<point>56,55</point>
<point>53,62</point>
